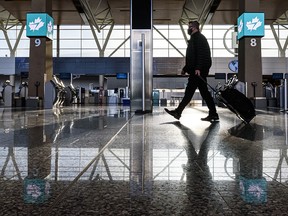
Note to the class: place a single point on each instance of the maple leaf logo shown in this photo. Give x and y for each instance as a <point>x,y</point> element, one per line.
<point>50,27</point>
<point>33,190</point>
<point>36,25</point>
<point>254,24</point>
<point>240,26</point>
<point>256,190</point>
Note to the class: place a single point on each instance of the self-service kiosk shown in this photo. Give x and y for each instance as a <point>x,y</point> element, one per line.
<point>80,95</point>
<point>54,93</point>
<point>284,95</point>
<point>22,94</point>
<point>278,89</point>
<point>23,90</point>
<point>70,94</point>
<point>270,94</point>
<point>121,95</point>
<point>60,91</point>
<point>7,94</point>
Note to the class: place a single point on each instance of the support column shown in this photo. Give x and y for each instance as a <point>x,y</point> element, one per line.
<point>250,59</point>
<point>141,60</point>
<point>58,42</point>
<point>40,59</point>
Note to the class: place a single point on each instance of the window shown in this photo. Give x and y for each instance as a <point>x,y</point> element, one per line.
<point>78,41</point>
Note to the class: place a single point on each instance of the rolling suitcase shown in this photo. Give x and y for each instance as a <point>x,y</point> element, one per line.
<point>234,100</point>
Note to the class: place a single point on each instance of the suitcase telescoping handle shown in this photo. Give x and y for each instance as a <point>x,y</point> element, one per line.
<point>213,89</point>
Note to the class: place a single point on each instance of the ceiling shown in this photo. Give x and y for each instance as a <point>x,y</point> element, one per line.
<point>103,12</point>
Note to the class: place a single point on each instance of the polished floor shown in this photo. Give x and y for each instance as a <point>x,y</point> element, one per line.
<point>104,160</point>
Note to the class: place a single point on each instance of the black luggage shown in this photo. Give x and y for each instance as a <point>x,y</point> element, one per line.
<point>234,100</point>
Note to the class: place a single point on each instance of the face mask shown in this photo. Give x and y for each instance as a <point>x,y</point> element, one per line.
<point>189,31</point>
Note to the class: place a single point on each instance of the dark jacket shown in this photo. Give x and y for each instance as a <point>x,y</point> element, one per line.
<point>198,56</point>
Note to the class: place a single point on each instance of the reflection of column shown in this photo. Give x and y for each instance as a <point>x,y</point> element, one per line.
<point>253,186</point>
<point>39,152</point>
<point>36,187</point>
<point>250,158</point>
<point>141,173</point>
<point>251,162</point>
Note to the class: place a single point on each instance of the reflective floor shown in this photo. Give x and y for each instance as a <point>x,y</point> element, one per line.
<point>107,161</point>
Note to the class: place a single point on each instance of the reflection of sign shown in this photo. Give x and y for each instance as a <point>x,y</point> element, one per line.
<point>253,190</point>
<point>233,65</point>
<point>39,25</point>
<point>36,190</point>
<point>250,24</point>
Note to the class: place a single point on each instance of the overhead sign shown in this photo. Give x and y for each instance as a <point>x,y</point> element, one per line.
<point>250,24</point>
<point>39,25</point>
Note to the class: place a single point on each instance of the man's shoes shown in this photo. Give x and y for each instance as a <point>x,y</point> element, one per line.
<point>211,118</point>
<point>173,113</point>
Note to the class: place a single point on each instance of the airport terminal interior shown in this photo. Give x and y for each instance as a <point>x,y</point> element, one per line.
<point>85,133</point>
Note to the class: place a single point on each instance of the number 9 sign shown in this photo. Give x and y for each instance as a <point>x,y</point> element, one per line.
<point>37,42</point>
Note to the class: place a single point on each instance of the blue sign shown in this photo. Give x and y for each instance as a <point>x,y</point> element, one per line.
<point>233,66</point>
<point>121,75</point>
<point>277,76</point>
<point>39,25</point>
<point>250,24</point>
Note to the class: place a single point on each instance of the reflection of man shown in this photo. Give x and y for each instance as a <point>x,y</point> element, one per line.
<point>200,187</point>
<point>198,63</point>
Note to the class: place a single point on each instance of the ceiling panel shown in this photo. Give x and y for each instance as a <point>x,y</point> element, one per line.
<point>164,11</point>
<point>64,11</point>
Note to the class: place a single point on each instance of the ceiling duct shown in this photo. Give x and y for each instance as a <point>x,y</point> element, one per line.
<point>7,20</point>
<point>283,19</point>
<point>198,10</point>
<point>213,8</point>
<point>95,12</point>
<point>81,12</point>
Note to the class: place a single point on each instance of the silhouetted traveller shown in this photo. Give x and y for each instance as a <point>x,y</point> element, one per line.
<point>198,63</point>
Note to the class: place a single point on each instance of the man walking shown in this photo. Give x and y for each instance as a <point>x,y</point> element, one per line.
<point>198,63</point>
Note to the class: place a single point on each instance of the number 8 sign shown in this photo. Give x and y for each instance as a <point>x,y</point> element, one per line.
<point>253,42</point>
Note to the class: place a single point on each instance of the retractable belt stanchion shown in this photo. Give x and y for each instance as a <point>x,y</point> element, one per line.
<point>143,111</point>
<point>143,73</point>
<point>8,94</point>
<point>285,92</point>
